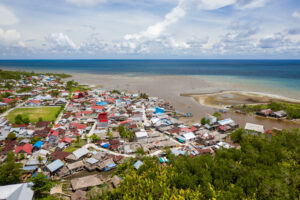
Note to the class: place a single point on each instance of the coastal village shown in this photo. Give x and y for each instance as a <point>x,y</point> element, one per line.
<point>87,132</point>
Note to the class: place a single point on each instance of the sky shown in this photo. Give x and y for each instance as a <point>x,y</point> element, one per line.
<point>150,29</point>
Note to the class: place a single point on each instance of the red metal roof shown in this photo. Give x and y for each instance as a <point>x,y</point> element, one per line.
<point>66,139</point>
<point>26,148</point>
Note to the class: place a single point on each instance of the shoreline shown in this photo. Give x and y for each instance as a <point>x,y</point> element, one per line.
<point>170,88</point>
<point>259,97</point>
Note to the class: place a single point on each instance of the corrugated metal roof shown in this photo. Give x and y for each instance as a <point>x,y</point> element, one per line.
<point>138,164</point>
<point>80,152</point>
<point>55,165</point>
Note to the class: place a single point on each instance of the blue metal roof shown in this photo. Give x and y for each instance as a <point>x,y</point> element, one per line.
<point>225,121</point>
<point>38,144</point>
<point>55,165</point>
<point>159,110</point>
<point>101,103</point>
<point>29,168</point>
<point>138,164</point>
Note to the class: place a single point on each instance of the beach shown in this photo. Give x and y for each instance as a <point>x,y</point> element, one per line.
<point>171,88</point>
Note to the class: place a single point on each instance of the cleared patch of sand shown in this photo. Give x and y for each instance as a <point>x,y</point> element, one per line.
<point>227,98</point>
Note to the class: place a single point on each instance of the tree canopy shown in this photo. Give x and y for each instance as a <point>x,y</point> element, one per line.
<point>265,167</point>
<point>10,171</point>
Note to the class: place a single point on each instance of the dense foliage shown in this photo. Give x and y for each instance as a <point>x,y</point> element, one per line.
<point>265,167</point>
<point>10,171</point>
<point>125,132</point>
<point>20,119</point>
<point>17,75</point>
<point>41,184</point>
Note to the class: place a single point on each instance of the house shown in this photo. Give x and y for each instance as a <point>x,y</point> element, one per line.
<point>141,136</point>
<point>60,101</point>
<point>189,136</point>
<point>77,166</point>
<point>64,94</point>
<point>26,148</point>
<point>78,154</point>
<point>279,114</point>
<point>43,124</point>
<point>84,182</point>
<point>103,120</point>
<point>138,164</point>
<point>20,191</point>
<point>33,103</point>
<point>91,164</point>
<point>106,165</point>
<point>159,110</point>
<point>38,144</point>
<point>97,108</point>
<point>265,113</point>
<point>249,127</point>
<point>59,155</point>
<point>55,165</point>
<point>79,195</point>
<point>211,119</point>
<point>66,140</point>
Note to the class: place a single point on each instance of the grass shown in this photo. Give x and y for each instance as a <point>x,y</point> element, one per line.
<point>74,146</point>
<point>46,113</point>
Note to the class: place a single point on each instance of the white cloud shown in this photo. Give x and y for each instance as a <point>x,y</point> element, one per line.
<point>157,29</point>
<point>61,41</point>
<point>86,2</point>
<point>157,32</point>
<point>7,17</point>
<point>296,14</point>
<point>9,36</point>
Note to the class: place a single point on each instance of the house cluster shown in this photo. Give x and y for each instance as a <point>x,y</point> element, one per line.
<point>98,128</point>
<point>270,113</point>
<point>33,91</point>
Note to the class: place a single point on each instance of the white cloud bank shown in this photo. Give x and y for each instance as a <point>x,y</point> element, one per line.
<point>9,35</point>
<point>61,41</point>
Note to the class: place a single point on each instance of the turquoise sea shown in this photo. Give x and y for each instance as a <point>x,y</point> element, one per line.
<point>283,74</point>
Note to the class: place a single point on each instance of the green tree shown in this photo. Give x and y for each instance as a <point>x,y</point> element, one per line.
<point>94,138</point>
<point>203,121</point>
<point>77,139</point>
<point>140,151</point>
<point>144,96</point>
<point>40,159</point>
<point>19,119</point>
<point>10,171</point>
<point>41,184</point>
<point>22,156</point>
<point>11,136</point>
<point>35,139</point>
<point>109,134</point>
<point>217,115</point>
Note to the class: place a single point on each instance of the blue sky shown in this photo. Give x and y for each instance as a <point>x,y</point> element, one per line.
<point>68,29</point>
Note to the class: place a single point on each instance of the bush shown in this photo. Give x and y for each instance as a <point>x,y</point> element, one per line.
<point>11,136</point>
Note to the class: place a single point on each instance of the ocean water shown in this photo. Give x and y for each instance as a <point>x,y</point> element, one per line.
<point>279,73</point>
